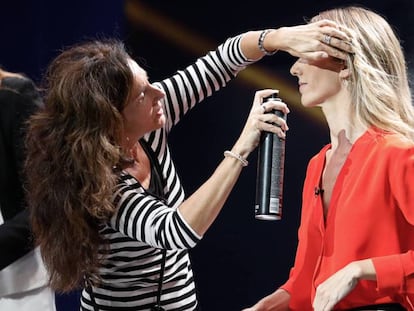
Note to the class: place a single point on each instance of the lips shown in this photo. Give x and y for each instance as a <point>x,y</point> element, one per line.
<point>160,112</point>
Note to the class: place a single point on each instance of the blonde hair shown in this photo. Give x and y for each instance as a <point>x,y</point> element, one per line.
<point>378,82</point>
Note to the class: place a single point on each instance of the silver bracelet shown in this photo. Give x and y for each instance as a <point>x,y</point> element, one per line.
<point>236,156</point>
<point>261,40</point>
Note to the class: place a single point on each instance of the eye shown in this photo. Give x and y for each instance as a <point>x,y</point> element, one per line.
<point>140,97</point>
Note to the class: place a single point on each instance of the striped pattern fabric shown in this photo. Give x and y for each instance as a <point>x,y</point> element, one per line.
<point>145,224</point>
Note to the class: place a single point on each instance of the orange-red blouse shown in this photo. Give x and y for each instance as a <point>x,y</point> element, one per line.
<point>371,215</point>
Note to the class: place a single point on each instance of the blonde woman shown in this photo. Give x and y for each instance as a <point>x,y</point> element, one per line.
<point>356,238</point>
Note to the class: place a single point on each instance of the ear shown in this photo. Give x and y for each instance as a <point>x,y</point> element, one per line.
<point>344,73</point>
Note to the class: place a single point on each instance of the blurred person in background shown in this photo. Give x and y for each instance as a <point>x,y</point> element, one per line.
<point>23,277</point>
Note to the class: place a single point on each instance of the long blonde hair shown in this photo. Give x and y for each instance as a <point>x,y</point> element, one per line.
<point>378,84</point>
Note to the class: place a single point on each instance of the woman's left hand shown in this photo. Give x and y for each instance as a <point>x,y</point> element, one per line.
<point>336,287</point>
<point>341,283</point>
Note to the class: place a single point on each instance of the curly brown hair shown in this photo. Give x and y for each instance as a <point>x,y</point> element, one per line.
<point>72,149</point>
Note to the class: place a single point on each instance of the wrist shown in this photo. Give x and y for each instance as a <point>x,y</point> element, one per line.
<point>231,154</point>
<point>277,39</point>
<point>363,269</point>
<point>266,42</point>
<point>240,149</point>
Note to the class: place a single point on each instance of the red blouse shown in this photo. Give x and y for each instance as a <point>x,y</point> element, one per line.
<point>371,215</point>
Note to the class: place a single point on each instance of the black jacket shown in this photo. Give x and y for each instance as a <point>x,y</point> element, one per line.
<point>18,100</point>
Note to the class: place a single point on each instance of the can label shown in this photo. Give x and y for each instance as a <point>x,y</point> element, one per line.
<point>274,206</point>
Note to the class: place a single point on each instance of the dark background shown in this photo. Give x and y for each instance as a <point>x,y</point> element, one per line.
<point>240,259</point>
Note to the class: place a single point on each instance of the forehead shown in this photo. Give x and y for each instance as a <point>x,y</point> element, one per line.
<point>137,71</point>
<point>140,76</point>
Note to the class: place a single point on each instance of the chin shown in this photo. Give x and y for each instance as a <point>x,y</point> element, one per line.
<point>309,103</point>
<point>159,123</point>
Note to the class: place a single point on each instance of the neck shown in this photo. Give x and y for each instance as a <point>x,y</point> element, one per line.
<point>347,130</point>
<point>341,121</point>
<point>129,147</point>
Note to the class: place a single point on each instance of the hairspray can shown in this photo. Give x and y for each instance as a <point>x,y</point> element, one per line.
<point>270,170</point>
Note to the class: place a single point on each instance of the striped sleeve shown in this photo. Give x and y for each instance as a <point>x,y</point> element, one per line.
<point>145,218</point>
<point>208,74</point>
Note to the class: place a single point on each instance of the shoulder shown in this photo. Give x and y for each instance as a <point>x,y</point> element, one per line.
<point>17,84</point>
<point>390,144</point>
<point>387,151</point>
<point>23,88</point>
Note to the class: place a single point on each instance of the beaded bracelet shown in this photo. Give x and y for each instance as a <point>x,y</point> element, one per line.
<point>260,43</point>
<point>236,156</point>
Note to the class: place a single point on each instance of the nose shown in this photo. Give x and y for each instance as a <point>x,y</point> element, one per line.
<point>295,69</point>
<point>158,93</point>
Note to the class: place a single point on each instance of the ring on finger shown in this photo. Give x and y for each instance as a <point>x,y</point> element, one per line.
<point>264,108</point>
<point>327,39</point>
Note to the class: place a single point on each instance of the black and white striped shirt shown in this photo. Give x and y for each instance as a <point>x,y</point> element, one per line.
<point>144,224</point>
